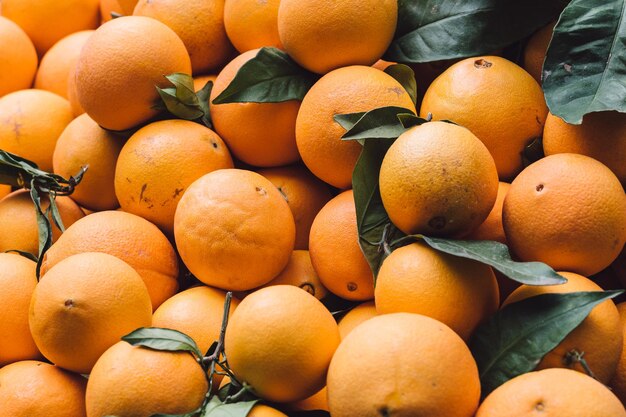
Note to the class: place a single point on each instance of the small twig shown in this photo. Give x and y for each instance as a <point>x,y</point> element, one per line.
<point>573,356</point>
<point>220,343</point>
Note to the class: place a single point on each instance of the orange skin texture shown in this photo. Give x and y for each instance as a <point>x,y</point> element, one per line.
<point>418,279</point>
<point>84,305</point>
<point>335,251</point>
<point>252,24</point>
<point>199,24</point>
<point>599,336</point>
<point>18,58</point>
<point>535,51</point>
<point>551,392</point>
<point>568,211</point>
<point>58,62</point>
<point>130,238</point>
<point>38,389</point>
<point>317,401</point>
<point>280,340</point>
<point>495,99</point>
<point>130,381</point>
<point>338,34</point>
<point>84,143</point>
<point>234,229</point>
<point>18,281</point>
<point>618,383</point>
<point>261,410</point>
<point>51,20</point>
<point>345,90</point>
<point>367,376</point>
<point>356,316</point>
<point>18,221</point>
<point>31,123</point>
<point>300,273</point>
<point>120,65</point>
<point>200,81</point>
<point>601,136</point>
<point>305,194</point>
<point>491,228</point>
<point>72,95</point>
<point>156,166</point>
<point>438,179</point>
<point>123,7</point>
<point>259,134</point>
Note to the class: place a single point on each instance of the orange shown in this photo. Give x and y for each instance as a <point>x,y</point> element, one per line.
<point>31,123</point>
<point>280,340</point>
<point>48,21</point>
<point>121,64</point>
<point>356,316</point>
<point>494,98</point>
<point>197,312</point>
<point>130,381</point>
<point>234,230</point>
<point>200,81</point>
<point>5,190</point>
<point>58,62</point>
<point>618,383</point>
<point>84,143</point>
<point>18,220</point>
<point>456,291</point>
<point>601,136</point>
<point>38,389</point>
<point>130,238</point>
<point>345,90</point>
<point>305,194</point>
<point>599,336</point>
<point>317,401</point>
<point>122,7</point>
<point>438,179</point>
<point>18,58</point>
<point>382,65</point>
<point>535,51</point>
<point>300,273</point>
<point>551,392</point>
<point>491,228</point>
<point>84,305</point>
<point>403,364</point>
<point>18,281</point>
<point>259,134</point>
<point>252,24</point>
<point>323,37</point>
<point>72,96</point>
<point>335,251</point>
<point>199,24</point>
<point>261,410</point>
<point>568,211</point>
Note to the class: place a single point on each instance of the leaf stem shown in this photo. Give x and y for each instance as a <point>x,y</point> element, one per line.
<point>573,357</point>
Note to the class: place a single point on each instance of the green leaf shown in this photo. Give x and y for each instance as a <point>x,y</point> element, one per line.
<point>26,255</point>
<point>43,226</point>
<point>585,66</point>
<point>181,100</point>
<point>406,77</point>
<point>270,77</point>
<point>380,123</point>
<point>434,30</point>
<point>516,338</point>
<point>216,408</point>
<point>203,97</point>
<point>163,339</point>
<point>54,213</point>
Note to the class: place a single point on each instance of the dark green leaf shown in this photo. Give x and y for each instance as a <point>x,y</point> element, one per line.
<point>270,77</point>
<point>406,77</point>
<point>163,339</point>
<point>27,255</point>
<point>54,213</point>
<point>216,408</point>
<point>380,123</point>
<point>203,97</point>
<point>585,66</point>
<point>515,339</point>
<point>43,226</point>
<point>434,30</point>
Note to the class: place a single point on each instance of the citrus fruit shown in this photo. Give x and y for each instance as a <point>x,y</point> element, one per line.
<point>618,383</point>
<point>491,228</point>
<point>535,51</point>
<point>252,24</point>
<point>18,58</point>
<point>5,190</point>
<point>262,410</point>
<point>356,316</point>
<point>72,95</point>
<point>300,273</point>
<point>200,81</point>
<point>121,7</point>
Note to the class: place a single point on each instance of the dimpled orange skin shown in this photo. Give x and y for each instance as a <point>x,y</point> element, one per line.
<point>123,7</point>
<point>300,273</point>
<point>335,251</point>
<point>368,374</point>
<point>356,316</point>
<point>601,136</point>
<point>322,37</point>
<point>599,336</point>
<point>31,123</point>
<point>18,281</point>
<point>18,58</point>
<point>160,161</point>
<point>121,64</point>
<point>551,392</point>
<point>234,230</point>
<point>345,90</point>
<point>252,24</point>
<point>72,95</point>
<point>495,99</point>
<point>129,381</point>
<point>568,211</point>
<point>438,179</point>
<point>618,383</point>
<point>128,237</point>
<point>305,194</point>
<point>491,228</point>
<point>84,143</point>
<point>418,279</point>
<point>38,389</point>
<point>259,134</point>
<point>261,410</point>
<point>280,340</point>
<point>200,81</point>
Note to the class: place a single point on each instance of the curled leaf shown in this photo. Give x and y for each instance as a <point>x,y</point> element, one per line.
<point>163,339</point>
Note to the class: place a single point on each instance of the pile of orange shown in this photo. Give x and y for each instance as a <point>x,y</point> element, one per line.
<point>262,204</point>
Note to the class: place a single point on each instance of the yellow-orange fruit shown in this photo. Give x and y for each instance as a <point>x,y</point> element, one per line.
<point>5,190</point>
<point>300,273</point>
<point>262,410</point>
<point>317,401</point>
<point>252,24</point>
<point>356,316</point>
<point>618,383</point>
<point>491,228</point>
<point>18,58</point>
<point>121,7</point>
<point>72,95</point>
<point>535,51</point>
<point>200,81</point>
